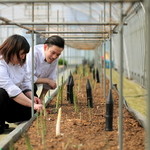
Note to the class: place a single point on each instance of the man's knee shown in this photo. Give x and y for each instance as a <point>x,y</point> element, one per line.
<point>3,92</point>
<point>35,90</point>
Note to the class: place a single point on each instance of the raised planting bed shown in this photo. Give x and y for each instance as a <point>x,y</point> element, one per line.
<point>81,127</point>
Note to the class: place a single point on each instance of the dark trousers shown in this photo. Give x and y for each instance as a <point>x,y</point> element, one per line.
<point>35,90</point>
<point>12,111</point>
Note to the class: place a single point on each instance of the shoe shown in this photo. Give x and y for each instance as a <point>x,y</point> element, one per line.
<point>19,122</point>
<point>2,128</point>
<point>6,126</point>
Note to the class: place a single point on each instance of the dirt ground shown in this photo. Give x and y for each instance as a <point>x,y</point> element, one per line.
<point>82,128</point>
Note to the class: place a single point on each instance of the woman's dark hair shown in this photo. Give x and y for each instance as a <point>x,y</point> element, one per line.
<point>13,45</point>
<point>55,40</point>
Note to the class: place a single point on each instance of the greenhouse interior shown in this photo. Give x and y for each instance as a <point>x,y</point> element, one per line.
<point>102,97</point>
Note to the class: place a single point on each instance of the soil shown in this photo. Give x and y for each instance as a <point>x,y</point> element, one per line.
<point>82,128</point>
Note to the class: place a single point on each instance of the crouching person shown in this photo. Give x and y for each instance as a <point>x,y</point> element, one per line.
<point>15,86</point>
<point>45,63</point>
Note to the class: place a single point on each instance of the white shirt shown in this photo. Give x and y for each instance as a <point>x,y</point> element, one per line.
<point>13,78</point>
<point>42,69</point>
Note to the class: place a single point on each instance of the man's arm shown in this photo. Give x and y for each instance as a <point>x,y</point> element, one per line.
<point>48,81</point>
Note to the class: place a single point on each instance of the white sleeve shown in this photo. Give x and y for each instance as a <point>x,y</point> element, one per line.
<point>53,74</point>
<point>6,82</point>
<point>26,83</point>
<point>53,71</point>
<point>29,65</point>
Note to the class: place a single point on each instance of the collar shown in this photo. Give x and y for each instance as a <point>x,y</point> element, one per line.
<point>43,54</point>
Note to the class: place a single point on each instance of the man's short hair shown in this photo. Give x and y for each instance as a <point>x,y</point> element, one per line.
<point>55,40</point>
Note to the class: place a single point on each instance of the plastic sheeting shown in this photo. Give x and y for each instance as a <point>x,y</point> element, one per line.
<point>88,36</point>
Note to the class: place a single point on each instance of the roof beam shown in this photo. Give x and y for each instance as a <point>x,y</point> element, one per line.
<point>62,23</point>
<point>67,1</point>
<point>85,40</point>
<point>7,21</point>
<point>82,37</point>
<point>72,32</point>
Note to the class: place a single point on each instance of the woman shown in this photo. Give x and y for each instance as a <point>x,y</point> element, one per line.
<point>15,86</point>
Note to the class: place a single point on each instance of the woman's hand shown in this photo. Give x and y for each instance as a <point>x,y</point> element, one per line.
<point>37,100</point>
<point>38,107</point>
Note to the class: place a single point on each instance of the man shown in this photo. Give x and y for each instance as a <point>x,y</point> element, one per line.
<point>45,63</point>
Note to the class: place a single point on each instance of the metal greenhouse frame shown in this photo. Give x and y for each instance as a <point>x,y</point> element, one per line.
<point>100,33</point>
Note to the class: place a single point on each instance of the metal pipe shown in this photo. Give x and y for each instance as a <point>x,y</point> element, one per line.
<point>32,109</point>
<point>48,16</point>
<point>147,43</point>
<point>110,65</point>
<point>104,54</point>
<point>129,9</point>
<point>126,15</point>
<point>58,81</point>
<point>84,39</point>
<point>68,1</point>
<point>90,37</point>
<point>120,127</point>
<point>61,23</point>
<point>48,20</point>
<point>73,32</point>
<point>9,22</point>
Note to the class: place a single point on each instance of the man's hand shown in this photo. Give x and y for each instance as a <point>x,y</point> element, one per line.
<point>52,84</point>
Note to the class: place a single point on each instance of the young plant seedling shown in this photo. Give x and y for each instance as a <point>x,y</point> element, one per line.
<point>58,101</point>
<point>76,107</point>
<point>28,143</point>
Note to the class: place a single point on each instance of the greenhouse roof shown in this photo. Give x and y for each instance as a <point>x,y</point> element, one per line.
<point>84,25</point>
